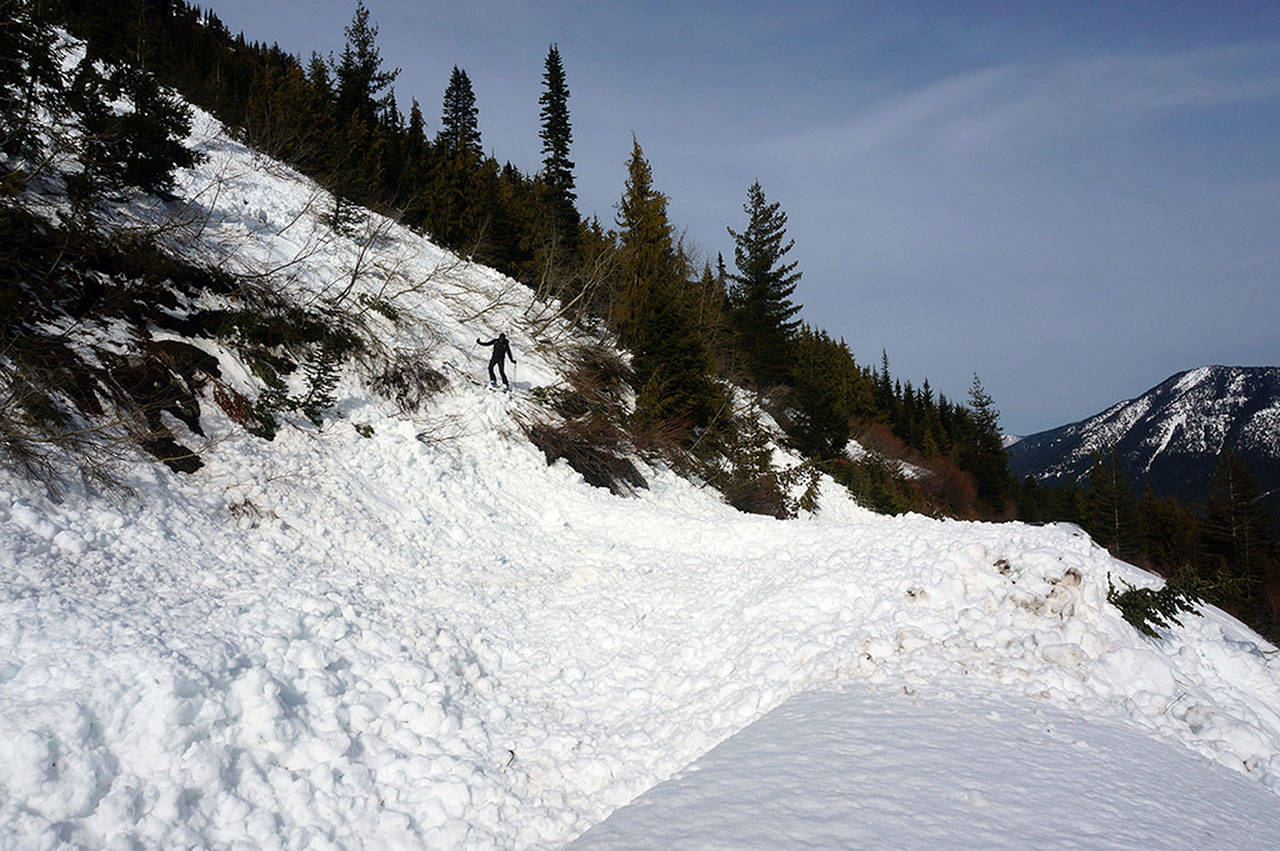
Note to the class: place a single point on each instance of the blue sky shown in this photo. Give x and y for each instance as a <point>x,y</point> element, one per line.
<point>1074,200</point>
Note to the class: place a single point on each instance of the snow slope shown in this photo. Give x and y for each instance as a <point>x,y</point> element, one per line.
<point>428,637</point>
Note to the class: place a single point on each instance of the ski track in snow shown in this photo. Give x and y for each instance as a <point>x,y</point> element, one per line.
<point>430,637</point>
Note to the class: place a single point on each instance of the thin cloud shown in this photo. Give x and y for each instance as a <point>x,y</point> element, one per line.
<point>1023,103</point>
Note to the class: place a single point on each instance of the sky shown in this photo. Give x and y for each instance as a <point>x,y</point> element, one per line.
<point>1073,201</point>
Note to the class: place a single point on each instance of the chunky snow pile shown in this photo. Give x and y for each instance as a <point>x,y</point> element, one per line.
<point>408,630</point>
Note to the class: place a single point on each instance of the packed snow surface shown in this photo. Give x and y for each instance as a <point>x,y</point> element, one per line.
<point>426,636</point>
<point>867,768</point>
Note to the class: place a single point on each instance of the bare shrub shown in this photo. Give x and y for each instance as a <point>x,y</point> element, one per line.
<point>53,424</point>
<point>953,488</point>
<point>879,439</point>
<point>945,489</point>
<point>408,381</point>
<point>665,439</point>
<point>594,447</point>
<point>595,377</point>
<point>570,292</point>
<point>594,365</point>
<point>759,494</point>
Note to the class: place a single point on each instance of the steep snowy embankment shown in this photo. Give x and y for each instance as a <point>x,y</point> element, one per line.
<point>427,637</point>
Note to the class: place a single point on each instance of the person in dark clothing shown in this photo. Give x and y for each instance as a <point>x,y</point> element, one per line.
<point>501,351</point>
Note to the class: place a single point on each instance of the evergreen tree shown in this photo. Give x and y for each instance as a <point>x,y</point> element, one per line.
<point>708,307</point>
<point>30,76</point>
<point>1110,509</point>
<point>1237,536</point>
<point>151,136</point>
<point>650,314</point>
<point>359,75</point>
<point>138,148</point>
<point>759,295</point>
<point>823,396</point>
<point>884,388</point>
<point>415,149</point>
<point>417,167</point>
<point>983,454</point>
<point>647,251</point>
<point>1170,533</point>
<point>556,135</point>
<point>459,130</point>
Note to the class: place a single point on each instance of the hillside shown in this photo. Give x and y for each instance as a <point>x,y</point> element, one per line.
<point>278,570</point>
<point>1171,435</point>
<point>399,626</point>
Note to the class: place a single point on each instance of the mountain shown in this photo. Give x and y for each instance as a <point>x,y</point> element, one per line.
<point>1171,435</point>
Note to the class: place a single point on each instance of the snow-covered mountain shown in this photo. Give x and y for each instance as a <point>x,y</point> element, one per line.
<point>1171,435</point>
<point>403,628</point>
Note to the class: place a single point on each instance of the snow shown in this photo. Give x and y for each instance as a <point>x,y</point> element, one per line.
<point>1191,379</point>
<point>430,637</point>
<point>867,768</point>
<point>855,451</point>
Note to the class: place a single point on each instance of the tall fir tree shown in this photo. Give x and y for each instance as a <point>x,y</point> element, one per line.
<point>983,453</point>
<point>459,127</point>
<point>30,75</point>
<point>359,75</point>
<point>760,292</point>
<point>556,135</point>
<point>1110,507</point>
<point>1237,538</point>
<point>416,140</point>
<point>651,315</point>
<point>825,380</point>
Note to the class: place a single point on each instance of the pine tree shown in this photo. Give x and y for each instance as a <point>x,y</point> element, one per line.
<point>884,388</point>
<point>151,136</point>
<point>1237,536</point>
<point>360,78</point>
<point>759,295</point>
<point>556,135</point>
<point>983,454</point>
<point>459,130</point>
<point>417,167</point>
<point>650,314</point>
<point>825,386</point>
<point>647,250</point>
<point>30,76</point>
<point>137,148</point>
<point>1110,507</point>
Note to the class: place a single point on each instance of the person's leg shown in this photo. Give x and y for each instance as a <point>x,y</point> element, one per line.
<point>493,380</point>
<point>502,370</point>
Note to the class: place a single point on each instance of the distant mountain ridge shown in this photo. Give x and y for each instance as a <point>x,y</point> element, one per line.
<point>1171,434</point>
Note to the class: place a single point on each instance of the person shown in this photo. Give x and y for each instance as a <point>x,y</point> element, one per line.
<point>501,351</point>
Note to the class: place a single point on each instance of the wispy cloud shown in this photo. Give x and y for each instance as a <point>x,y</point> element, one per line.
<point>1024,102</point>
